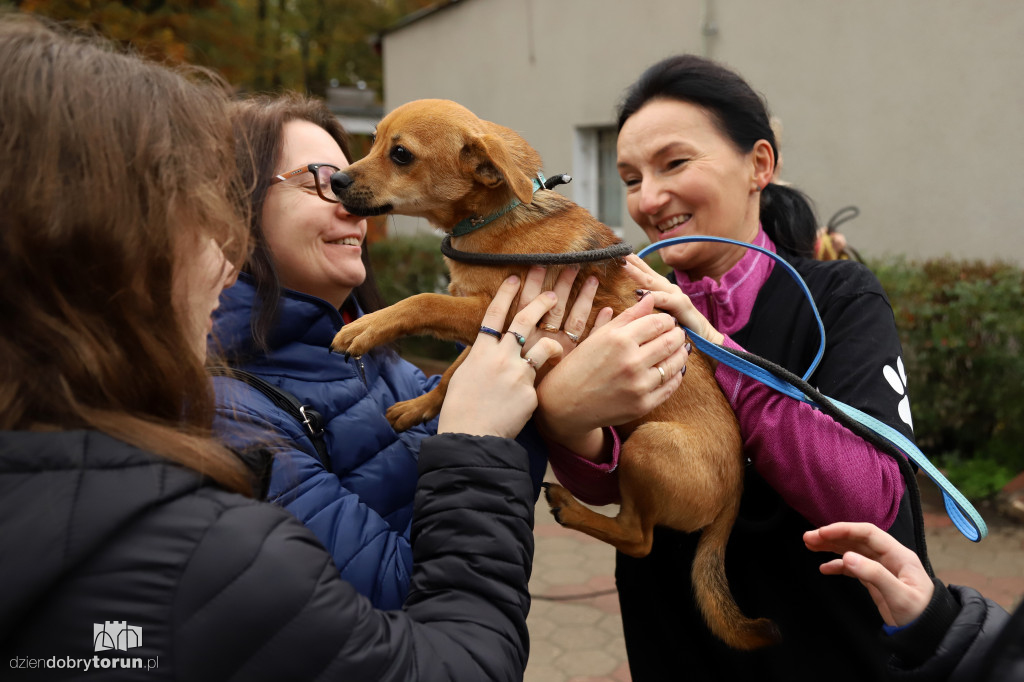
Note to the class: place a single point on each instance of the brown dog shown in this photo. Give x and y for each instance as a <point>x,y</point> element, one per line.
<point>681,465</point>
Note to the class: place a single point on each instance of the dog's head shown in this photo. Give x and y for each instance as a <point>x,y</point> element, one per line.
<point>435,159</point>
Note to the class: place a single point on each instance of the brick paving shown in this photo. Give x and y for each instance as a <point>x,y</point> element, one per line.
<point>580,640</point>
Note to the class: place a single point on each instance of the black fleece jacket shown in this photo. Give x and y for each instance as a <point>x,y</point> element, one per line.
<point>222,587</point>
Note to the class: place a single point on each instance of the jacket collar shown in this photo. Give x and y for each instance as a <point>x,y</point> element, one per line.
<point>300,318</point>
<point>729,302</point>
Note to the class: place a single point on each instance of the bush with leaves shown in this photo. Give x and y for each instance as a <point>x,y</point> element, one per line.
<point>405,267</point>
<point>961,327</point>
<point>408,266</point>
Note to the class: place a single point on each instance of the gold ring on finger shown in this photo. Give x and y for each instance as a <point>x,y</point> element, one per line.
<point>548,327</point>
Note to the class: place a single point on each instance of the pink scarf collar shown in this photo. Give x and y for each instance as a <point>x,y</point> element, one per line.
<point>728,303</point>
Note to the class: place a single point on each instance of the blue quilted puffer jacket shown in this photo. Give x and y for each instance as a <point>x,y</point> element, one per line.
<point>362,510</point>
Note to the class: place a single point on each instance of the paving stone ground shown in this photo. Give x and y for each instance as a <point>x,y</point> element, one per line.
<point>580,640</point>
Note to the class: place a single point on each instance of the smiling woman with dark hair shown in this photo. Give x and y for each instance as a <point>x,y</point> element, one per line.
<point>697,155</point>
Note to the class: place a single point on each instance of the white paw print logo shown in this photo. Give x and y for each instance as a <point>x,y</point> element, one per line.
<point>898,381</point>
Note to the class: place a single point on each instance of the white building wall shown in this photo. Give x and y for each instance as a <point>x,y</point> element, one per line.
<point>910,109</point>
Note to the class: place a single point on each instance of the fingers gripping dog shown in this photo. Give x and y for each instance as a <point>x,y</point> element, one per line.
<point>681,464</point>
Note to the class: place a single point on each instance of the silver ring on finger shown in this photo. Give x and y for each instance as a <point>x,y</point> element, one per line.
<point>520,339</point>
<point>548,327</point>
<point>662,373</point>
<point>531,362</point>
<point>575,338</point>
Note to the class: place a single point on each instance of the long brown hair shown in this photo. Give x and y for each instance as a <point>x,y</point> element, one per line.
<point>259,130</point>
<point>111,169</point>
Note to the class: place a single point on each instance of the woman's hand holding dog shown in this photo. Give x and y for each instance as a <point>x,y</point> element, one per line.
<point>564,328</point>
<point>492,393</point>
<point>668,297</point>
<point>620,372</point>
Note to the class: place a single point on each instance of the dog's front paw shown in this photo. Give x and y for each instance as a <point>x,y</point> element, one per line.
<point>356,338</point>
<point>408,413</point>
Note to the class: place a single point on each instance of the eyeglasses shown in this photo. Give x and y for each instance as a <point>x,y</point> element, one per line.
<point>322,172</point>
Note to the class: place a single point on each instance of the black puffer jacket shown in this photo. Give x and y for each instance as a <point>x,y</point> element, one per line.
<point>960,637</point>
<point>104,544</point>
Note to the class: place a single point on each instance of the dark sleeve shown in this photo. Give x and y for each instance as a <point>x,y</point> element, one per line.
<point>863,362</point>
<point>260,598</point>
<point>472,554</point>
<point>953,639</point>
<point>804,454</point>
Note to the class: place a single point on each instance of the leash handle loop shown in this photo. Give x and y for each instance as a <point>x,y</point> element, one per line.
<point>789,269</point>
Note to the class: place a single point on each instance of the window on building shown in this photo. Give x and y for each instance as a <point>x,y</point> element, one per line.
<point>597,184</point>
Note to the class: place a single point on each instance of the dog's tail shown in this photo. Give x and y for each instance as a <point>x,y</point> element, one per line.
<point>711,589</point>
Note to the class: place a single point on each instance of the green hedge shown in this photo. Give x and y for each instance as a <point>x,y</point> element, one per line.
<point>961,327</point>
<point>408,266</point>
<point>959,322</point>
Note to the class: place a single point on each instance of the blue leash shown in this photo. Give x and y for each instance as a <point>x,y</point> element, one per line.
<point>964,516</point>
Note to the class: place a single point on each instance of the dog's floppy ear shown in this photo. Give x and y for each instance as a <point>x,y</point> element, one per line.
<point>490,163</point>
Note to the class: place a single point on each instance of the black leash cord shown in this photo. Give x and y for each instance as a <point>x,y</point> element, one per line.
<point>619,250</point>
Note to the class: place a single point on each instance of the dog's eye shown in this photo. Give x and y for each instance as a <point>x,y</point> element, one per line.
<point>401,156</point>
<point>373,138</point>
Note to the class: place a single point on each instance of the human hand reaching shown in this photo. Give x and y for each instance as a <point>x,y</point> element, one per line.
<point>892,573</point>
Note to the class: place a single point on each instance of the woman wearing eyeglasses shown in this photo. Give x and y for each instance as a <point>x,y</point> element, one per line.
<point>309,274</point>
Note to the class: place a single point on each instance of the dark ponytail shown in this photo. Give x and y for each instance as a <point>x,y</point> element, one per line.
<point>787,217</point>
<point>742,115</point>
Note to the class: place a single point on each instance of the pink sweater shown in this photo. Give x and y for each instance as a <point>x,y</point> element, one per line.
<point>820,468</point>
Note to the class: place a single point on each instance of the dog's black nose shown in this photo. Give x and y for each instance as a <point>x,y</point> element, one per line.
<point>340,181</point>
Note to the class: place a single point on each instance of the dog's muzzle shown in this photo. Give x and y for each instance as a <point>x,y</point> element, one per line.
<point>355,201</point>
<point>340,182</point>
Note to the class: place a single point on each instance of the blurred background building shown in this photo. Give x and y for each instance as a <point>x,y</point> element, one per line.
<point>910,110</point>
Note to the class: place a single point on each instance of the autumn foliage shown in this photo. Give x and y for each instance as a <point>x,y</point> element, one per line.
<point>257,45</point>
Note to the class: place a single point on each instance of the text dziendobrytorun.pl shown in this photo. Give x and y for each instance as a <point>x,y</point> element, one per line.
<point>84,664</point>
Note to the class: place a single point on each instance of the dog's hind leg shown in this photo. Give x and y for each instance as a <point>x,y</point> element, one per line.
<point>409,413</point>
<point>625,532</point>
<point>661,481</point>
